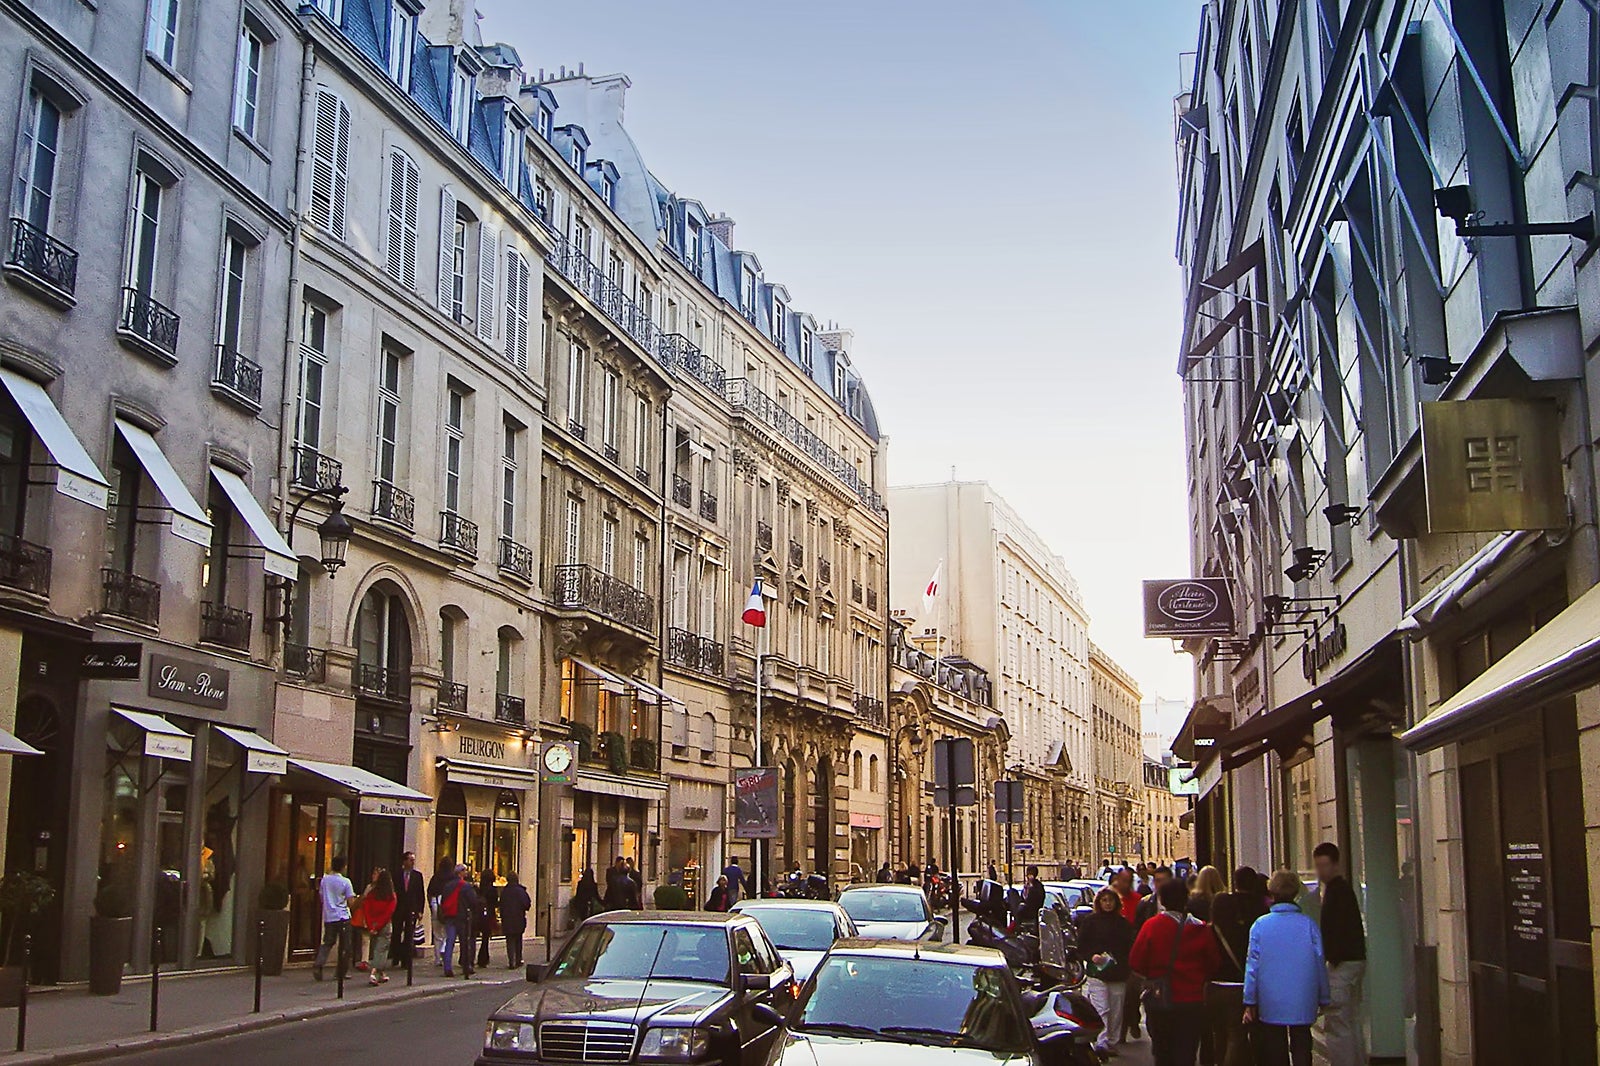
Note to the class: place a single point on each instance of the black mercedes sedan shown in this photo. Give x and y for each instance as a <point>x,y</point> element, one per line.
<point>658,987</point>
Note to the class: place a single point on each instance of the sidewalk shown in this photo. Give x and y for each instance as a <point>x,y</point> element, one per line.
<point>67,1024</point>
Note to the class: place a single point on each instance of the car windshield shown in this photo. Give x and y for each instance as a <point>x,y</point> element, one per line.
<point>867,905</point>
<point>796,928</point>
<point>638,950</point>
<point>915,1001</point>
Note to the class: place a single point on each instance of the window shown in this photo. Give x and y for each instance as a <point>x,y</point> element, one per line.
<point>608,544</point>
<point>541,121</point>
<point>247,82</point>
<point>461,90</point>
<point>805,349</point>
<point>510,448</point>
<point>455,446</point>
<point>577,157</point>
<point>400,232</point>
<point>402,35</point>
<point>313,371</point>
<point>608,190</point>
<point>692,244</point>
<point>230,327</point>
<point>641,556</point>
<point>710,586</point>
<point>145,231</point>
<point>680,588</point>
<point>749,291</point>
<point>214,568</point>
<point>389,375</point>
<point>608,410</point>
<point>855,771</point>
<point>582,238</point>
<point>872,774</point>
<point>838,378</point>
<point>575,360</point>
<point>333,10</point>
<point>511,155</point>
<point>330,154</point>
<point>161,33</point>
<point>517,309</point>
<point>641,434</point>
<point>36,168</point>
<point>541,198</point>
<point>778,333</point>
<point>571,550</point>
<point>458,269</point>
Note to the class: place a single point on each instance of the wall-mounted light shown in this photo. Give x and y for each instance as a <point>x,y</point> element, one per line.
<point>1338,514</point>
<point>1436,369</point>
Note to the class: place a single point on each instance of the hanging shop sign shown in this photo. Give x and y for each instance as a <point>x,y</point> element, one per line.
<point>1188,607</point>
<point>755,803</point>
<point>112,660</point>
<point>187,682</point>
<point>1492,465</point>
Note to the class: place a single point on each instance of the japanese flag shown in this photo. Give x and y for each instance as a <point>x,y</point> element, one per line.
<point>931,594</point>
<point>755,612</point>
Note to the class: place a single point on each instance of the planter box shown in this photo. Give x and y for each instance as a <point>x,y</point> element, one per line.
<point>10,986</point>
<point>274,941</point>
<point>110,948</point>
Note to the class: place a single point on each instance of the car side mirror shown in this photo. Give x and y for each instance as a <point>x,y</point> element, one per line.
<point>538,971</point>
<point>755,982</point>
<point>767,1014</point>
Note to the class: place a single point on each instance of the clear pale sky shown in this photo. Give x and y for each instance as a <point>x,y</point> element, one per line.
<point>983,192</point>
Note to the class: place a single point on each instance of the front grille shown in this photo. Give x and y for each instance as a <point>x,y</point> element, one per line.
<point>581,1041</point>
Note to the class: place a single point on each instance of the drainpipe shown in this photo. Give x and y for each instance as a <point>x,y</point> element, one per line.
<point>308,66</point>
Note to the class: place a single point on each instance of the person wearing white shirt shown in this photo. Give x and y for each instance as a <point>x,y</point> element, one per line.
<point>336,893</point>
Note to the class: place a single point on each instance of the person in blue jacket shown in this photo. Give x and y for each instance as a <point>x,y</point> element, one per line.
<point>1285,978</point>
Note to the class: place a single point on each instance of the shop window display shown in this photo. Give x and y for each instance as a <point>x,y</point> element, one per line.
<point>218,874</point>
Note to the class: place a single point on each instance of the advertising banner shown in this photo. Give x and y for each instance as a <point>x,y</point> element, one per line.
<point>755,803</point>
<point>1188,607</point>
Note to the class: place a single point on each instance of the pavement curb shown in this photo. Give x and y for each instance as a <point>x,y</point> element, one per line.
<point>118,1047</point>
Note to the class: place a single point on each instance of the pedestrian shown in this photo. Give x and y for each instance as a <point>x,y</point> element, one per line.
<point>718,900</point>
<point>453,905</point>
<point>586,897</point>
<point>914,874</point>
<point>487,920</point>
<point>1071,872</point>
<point>468,909</point>
<point>1285,978</point>
<point>1208,885</point>
<point>618,887</point>
<point>1344,942</point>
<point>735,878</point>
<point>514,907</point>
<point>1232,914</point>
<point>411,902</point>
<point>635,887</point>
<point>885,873</point>
<point>1146,907</point>
<point>336,893</point>
<point>444,871</point>
<point>378,906</point>
<point>1105,939</point>
<point>1175,955</point>
<point>993,874</point>
<point>1032,898</point>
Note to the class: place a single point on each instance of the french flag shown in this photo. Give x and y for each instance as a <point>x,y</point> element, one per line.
<point>755,612</point>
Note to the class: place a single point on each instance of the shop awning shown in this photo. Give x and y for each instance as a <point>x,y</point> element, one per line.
<point>1288,723</point>
<point>651,694</point>
<point>1558,659</point>
<point>621,683</point>
<point>613,681</point>
<point>280,560</point>
<point>487,774</point>
<point>261,756</point>
<point>1447,593</point>
<point>378,794</point>
<point>162,739</point>
<point>11,744</point>
<point>77,477</point>
<point>608,785</point>
<point>189,520</point>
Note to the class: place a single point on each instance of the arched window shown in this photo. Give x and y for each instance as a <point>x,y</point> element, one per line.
<point>855,771</point>
<point>872,775</point>
<point>708,733</point>
<point>383,644</point>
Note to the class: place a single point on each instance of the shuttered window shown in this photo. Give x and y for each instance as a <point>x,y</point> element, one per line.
<point>516,309</point>
<point>400,234</point>
<point>330,154</point>
<point>448,297</point>
<point>488,267</point>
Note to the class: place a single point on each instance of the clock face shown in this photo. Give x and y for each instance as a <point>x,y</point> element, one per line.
<point>557,758</point>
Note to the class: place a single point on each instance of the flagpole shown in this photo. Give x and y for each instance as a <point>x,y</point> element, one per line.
<point>755,843</point>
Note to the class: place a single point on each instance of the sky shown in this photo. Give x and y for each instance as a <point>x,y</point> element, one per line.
<point>985,194</point>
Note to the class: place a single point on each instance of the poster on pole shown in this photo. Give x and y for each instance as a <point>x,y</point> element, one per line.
<point>755,803</point>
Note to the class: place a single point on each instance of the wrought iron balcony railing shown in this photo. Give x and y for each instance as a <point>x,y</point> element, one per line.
<point>130,597</point>
<point>694,652</point>
<point>24,566</point>
<point>612,300</point>
<point>315,471</point>
<point>42,258</point>
<point>763,536</point>
<point>610,452</point>
<point>869,711</point>
<point>708,506</point>
<point>458,533</point>
<point>872,598</point>
<point>149,323</point>
<point>306,663</point>
<point>642,476</point>
<point>224,625</point>
<point>576,429</point>
<point>383,682</point>
<point>747,398</point>
<point>512,710</point>
<point>682,491</point>
<point>516,559</point>
<point>585,587</point>
<point>393,504</point>
<point>681,356</point>
<point>238,374</point>
<point>453,697</point>
<point>797,555</point>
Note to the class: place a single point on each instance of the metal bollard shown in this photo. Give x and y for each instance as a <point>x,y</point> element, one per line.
<point>155,978</point>
<point>411,953</point>
<point>549,928</point>
<point>22,1003</point>
<point>339,976</point>
<point>261,938</point>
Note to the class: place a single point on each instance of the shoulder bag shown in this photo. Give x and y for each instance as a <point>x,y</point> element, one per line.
<point>1157,992</point>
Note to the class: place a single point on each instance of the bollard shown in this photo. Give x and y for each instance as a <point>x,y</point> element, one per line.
<point>261,937</point>
<point>411,951</point>
<point>22,1003</point>
<point>155,978</point>
<point>339,977</point>
<point>549,928</point>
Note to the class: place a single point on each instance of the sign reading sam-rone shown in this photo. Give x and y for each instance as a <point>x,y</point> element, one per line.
<point>1188,607</point>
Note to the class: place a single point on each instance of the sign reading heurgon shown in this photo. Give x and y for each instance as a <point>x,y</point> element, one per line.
<point>1188,607</point>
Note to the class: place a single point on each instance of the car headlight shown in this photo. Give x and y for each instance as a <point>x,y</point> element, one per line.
<point>678,1044</point>
<point>509,1036</point>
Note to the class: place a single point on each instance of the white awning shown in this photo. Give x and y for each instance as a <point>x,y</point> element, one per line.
<point>1443,596</point>
<point>189,519</point>
<point>378,794</point>
<point>11,744</point>
<point>607,785</point>
<point>280,558</point>
<point>619,683</point>
<point>77,477</point>
<point>261,756</point>
<point>613,681</point>
<point>162,739</point>
<point>487,774</point>
<point>650,694</point>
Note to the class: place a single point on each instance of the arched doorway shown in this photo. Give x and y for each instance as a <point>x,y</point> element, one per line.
<point>822,820</point>
<point>36,830</point>
<point>383,642</point>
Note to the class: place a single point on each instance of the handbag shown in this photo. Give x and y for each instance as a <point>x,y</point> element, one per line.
<point>358,914</point>
<point>1157,991</point>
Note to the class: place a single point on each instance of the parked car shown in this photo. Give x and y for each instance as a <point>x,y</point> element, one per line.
<point>630,986</point>
<point>1078,894</point>
<point>891,912</point>
<point>890,1002</point>
<point>801,929</point>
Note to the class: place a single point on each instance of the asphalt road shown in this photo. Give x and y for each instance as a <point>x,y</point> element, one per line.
<point>443,1031</point>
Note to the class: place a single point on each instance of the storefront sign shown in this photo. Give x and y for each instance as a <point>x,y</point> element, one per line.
<point>112,660</point>
<point>1492,465</point>
<point>755,803</point>
<point>862,820</point>
<point>265,762</point>
<point>1317,657</point>
<point>480,748</point>
<point>1188,607</point>
<point>1524,868</point>
<point>396,808</point>
<point>169,746</point>
<point>187,682</point>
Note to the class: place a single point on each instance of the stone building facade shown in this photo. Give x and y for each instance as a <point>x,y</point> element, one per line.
<point>1119,795</point>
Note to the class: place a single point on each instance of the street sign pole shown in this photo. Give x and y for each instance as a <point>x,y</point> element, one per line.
<point>951,776</point>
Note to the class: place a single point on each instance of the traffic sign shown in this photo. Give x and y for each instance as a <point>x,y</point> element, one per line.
<point>1023,845</point>
<point>954,773</point>
<point>1008,802</point>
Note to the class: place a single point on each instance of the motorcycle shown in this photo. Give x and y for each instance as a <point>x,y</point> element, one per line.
<point>993,927</point>
<point>1063,1015</point>
<point>942,891</point>
<point>799,885</point>
<point>1043,952</point>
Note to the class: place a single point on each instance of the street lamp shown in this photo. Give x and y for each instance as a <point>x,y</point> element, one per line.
<point>334,533</point>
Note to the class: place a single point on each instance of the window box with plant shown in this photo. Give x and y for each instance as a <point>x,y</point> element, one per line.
<point>614,749</point>
<point>643,755</point>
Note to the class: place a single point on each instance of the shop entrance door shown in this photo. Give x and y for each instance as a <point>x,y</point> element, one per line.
<point>309,819</point>
<point>36,828</point>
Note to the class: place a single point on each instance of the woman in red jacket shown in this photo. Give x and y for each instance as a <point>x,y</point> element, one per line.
<point>1178,953</point>
<point>377,908</point>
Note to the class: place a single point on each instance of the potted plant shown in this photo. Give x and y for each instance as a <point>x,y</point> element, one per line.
<point>110,937</point>
<point>671,898</point>
<point>272,907</point>
<point>615,746</point>
<point>583,736</point>
<point>644,754</point>
<point>23,897</point>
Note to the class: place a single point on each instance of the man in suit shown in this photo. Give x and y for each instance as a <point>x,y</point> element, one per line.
<point>411,902</point>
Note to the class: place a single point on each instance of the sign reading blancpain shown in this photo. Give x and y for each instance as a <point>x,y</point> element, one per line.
<point>1188,607</point>
<point>187,682</point>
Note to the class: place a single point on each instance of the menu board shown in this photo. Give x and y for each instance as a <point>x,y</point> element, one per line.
<point>1525,907</point>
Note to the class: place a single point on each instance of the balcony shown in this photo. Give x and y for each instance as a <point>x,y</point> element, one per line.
<point>516,559</point>
<point>42,263</point>
<point>682,357</point>
<point>226,626</point>
<point>869,712</point>
<point>24,566</point>
<point>576,429</point>
<point>458,534</point>
<point>753,403</point>
<point>612,300</point>
<point>797,555</point>
<point>583,587</point>
<point>872,598</point>
<point>682,491</point>
<point>510,710</point>
<point>764,536</point>
<point>693,652</point>
<point>314,471</point>
<point>610,452</point>
<point>855,591</point>
<point>452,697</point>
<point>393,504</point>
<point>148,326</point>
<point>642,476</point>
<point>124,596</point>
<point>825,571</point>
<point>306,663</point>
<point>238,378</point>
<point>382,682</point>
<point>708,506</point>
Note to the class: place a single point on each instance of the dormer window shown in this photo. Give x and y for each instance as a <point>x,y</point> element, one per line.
<point>542,120</point>
<point>511,156</point>
<point>778,333</point>
<point>576,158</point>
<point>402,38</point>
<point>608,191</point>
<point>838,379</point>
<point>691,243</point>
<point>749,291</point>
<point>461,93</point>
<point>805,349</point>
<point>541,198</point>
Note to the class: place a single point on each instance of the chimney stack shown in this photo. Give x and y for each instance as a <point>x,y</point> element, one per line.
<point>721,227</point>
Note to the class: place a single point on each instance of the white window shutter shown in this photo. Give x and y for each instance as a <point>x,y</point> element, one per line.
<point>680,725</point>
<point>488,265</point>
<point>324,149</point>
<point>341,164</point>
<point>408,271</point>
<point>394,227</point>
<point>447,230</point>
<point>516,309</point>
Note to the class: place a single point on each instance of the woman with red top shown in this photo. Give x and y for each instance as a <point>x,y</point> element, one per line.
<point>1177,951</point>
<point>377,907</point>
<point>1122,884</point>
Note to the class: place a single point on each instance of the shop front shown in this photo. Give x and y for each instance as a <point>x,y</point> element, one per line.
<point>605,817</point>
<point>488,799</point>
<point>693,840</point>
<point>866,829</point>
